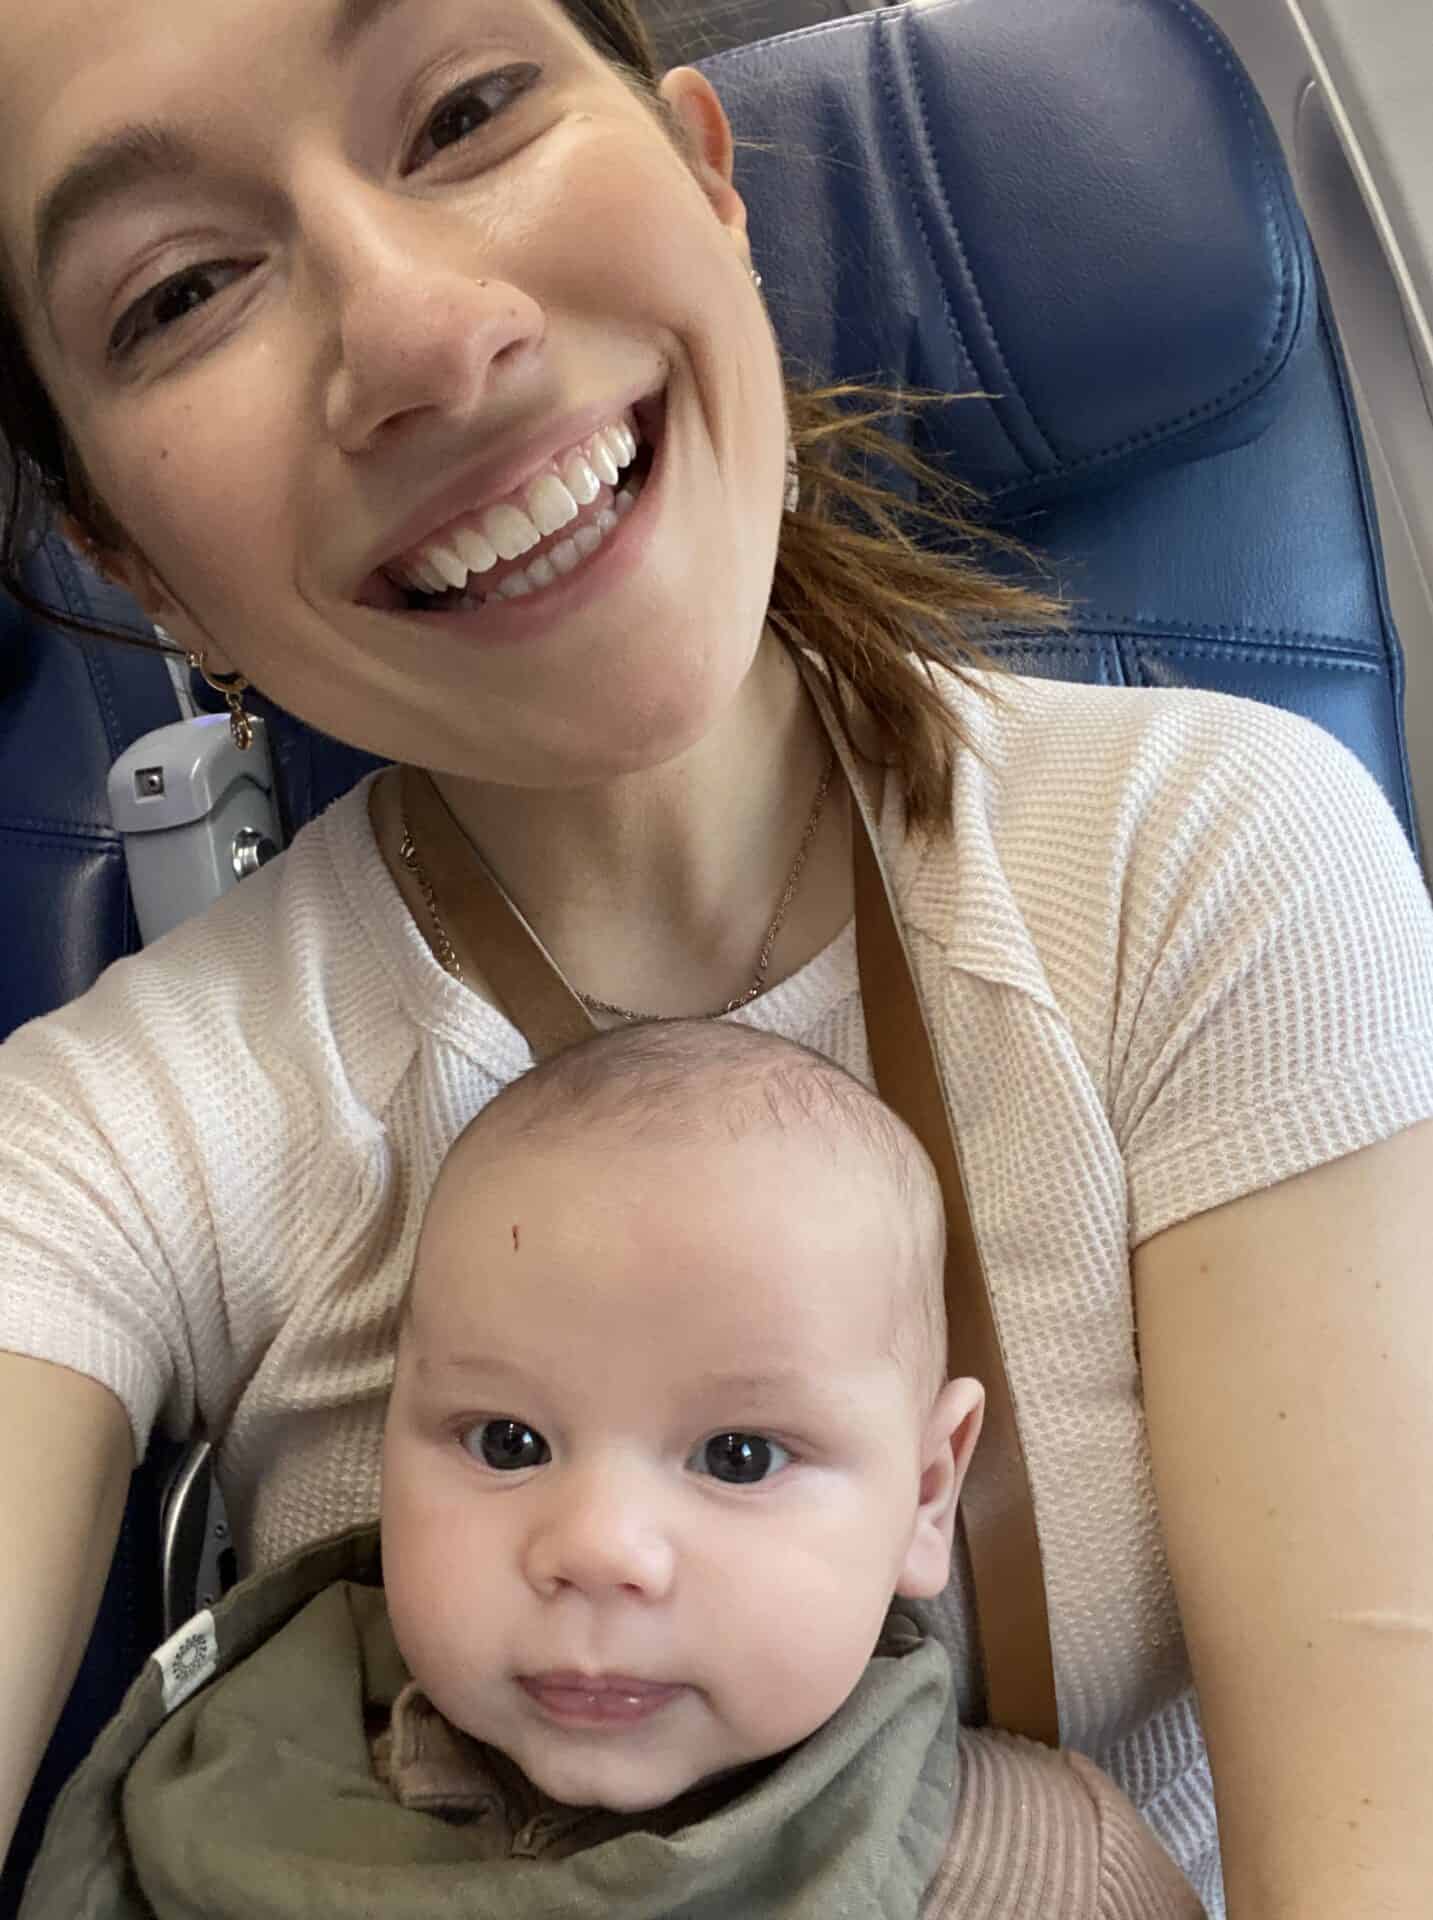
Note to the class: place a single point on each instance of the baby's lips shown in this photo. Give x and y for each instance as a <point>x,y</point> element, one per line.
<point>595,1698</point>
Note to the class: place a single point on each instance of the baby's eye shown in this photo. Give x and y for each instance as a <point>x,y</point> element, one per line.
<point>740,1459</point>
<point>508,1446</point>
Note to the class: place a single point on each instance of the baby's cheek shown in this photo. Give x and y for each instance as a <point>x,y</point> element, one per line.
<point>424,1575</point>
<point>797,1660</point>
<point>443,1631</point>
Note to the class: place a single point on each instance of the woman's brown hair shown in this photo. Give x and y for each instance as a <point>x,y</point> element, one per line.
<point>881,586</point>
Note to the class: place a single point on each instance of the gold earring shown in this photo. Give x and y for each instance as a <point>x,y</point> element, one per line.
<point>233,686</point>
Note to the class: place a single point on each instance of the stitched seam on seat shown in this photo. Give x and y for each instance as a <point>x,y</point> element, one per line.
<point>1217,648</point>
<point>1220,651</point>
<point>953,231</point>
<point>898,120</point>
<point>1151,624</point>
<point>23,827</point>
<point>1148,436</point>
<point>1269,360</point>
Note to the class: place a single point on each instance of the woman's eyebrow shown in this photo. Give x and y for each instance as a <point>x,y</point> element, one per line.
<point>134,155</point>
<point>109,170</point>
<point>353,19</point>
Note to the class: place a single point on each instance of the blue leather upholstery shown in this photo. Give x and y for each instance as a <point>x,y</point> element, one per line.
<point>1075,207</point>
<point>66,711</point>
<point>1079,209</point>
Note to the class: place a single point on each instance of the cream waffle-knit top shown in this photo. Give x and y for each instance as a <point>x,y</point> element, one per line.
<point>1177,950</point>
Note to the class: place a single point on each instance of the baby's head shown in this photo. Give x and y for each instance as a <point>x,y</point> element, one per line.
<point>670,1424</point>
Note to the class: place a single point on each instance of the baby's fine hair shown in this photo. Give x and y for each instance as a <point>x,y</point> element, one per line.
<point>685,1082</point>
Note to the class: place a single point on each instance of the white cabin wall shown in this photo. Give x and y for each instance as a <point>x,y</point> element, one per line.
<point>1348,84</point>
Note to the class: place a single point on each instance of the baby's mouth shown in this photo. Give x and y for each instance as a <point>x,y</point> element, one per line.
<point>575,1699</point>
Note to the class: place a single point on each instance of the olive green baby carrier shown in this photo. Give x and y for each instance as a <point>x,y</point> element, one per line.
<point>237,1783</point>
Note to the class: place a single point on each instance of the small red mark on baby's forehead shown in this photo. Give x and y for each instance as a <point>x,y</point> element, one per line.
<point>515,1236</point>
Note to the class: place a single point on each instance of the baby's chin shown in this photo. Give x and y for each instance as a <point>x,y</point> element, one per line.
<point>618,1783</point>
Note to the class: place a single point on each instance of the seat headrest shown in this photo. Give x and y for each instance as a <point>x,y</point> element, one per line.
<point>1075,208</point>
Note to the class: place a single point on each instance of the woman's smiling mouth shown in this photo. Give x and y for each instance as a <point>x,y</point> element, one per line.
<point>547,530</point>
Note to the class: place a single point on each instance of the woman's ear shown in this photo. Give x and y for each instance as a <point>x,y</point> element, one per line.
<point>692,100</point>
<point>116,564</point>
<point>946,1446</point>
<point>125,569</point>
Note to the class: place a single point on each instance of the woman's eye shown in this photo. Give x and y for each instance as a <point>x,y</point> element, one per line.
<point>469,109</point>
<point>171,301</point>
<point>740,1459</point>
<point>507,1446</point>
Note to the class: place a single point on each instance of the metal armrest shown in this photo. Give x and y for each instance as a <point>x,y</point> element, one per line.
<point>197,1554</point>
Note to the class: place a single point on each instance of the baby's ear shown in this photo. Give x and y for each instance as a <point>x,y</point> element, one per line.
<point>946,1446</point>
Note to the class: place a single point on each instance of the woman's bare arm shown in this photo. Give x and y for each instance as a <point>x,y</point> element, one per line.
<point>67,1452</point>
<point>1287,1350</point>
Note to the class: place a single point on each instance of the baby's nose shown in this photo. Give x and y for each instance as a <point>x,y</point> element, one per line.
<point>600,1533</point>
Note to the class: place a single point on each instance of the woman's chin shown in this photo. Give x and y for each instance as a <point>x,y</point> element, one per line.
<point>637,722</point>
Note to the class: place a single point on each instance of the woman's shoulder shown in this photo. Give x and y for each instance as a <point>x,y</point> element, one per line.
<point>1145,778</point>
<point>1039,731</point>
<point>1091,824</point>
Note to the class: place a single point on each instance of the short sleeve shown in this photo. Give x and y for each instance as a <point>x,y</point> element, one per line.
<point>86,1279</point>
<point>1276,992</point>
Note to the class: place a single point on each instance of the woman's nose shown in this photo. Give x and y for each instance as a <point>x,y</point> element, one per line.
<point>419,331</point>
<point>599,1534</point>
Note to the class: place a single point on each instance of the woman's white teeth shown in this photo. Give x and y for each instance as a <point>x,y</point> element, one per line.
<point>454,573</point>
<point>564,557</point>
<point>604,462</point>
<point>553,500</point>
<point>510,531</point>
<point>549,504</point>
<point>579,479</point>
<point>478,553</point>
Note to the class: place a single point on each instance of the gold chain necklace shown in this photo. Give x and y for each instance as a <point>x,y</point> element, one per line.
<point>448,958</point>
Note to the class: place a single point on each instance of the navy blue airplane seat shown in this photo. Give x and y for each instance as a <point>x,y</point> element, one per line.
<point>1075,209</point>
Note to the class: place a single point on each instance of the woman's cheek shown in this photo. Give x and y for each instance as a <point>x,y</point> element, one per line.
<point>196,499</point>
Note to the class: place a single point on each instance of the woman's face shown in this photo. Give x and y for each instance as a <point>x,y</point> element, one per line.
<point>358,268</point>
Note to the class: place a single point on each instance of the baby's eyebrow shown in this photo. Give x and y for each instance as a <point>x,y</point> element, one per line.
<point>771,1380</point>
<point>489,1363</point>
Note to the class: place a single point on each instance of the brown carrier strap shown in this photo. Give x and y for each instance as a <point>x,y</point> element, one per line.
<point>996,1506</point>
<point>529,984</point>
<point>997,1512</point>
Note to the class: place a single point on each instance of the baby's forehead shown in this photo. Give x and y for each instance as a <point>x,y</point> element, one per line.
<point>733,1242</point>
<point>785,1182</point>
<point>692,1140</point>
<point>707,1138</point>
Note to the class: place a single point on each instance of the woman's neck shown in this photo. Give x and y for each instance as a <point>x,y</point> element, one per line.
<point>655,891</point>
